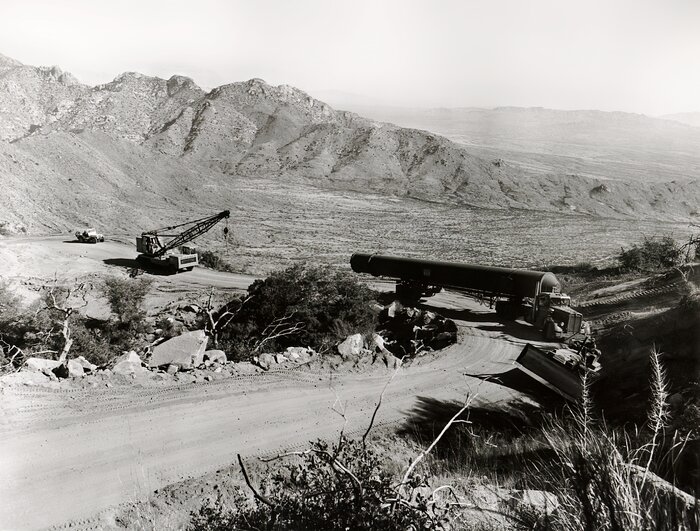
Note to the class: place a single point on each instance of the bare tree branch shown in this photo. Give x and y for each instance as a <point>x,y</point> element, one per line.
<point>425,452</point>
<point>278,328</point>
<point>250,485</point>
<point>379,403</point>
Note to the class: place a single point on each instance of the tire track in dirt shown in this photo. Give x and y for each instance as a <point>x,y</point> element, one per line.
<point>75,463</point>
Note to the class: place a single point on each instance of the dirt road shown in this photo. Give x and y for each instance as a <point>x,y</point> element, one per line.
<point>66,455</point>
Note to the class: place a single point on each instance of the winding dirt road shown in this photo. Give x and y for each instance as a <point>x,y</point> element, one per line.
<point>66,455</point>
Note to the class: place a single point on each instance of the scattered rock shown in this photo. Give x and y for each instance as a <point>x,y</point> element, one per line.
<point>265,361</point>
<point>40,365</point>
<point>299,354</point>
<point>218,356</point>
<point>86,365</point>
<point>394,308</point>
<point>281,358</point>
<point>409,331</point>
<point>75,369</point>
<point>187,350</point>
<point>130,356</point>
<point>129,363</point>
<point>172,369</point>
<point>351,346</point>
<point>25,378</point>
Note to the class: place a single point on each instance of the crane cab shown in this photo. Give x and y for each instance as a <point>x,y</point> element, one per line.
<point>183,259</point>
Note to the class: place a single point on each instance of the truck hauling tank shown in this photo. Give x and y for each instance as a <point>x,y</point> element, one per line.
<point>562,369</point>
<point>174,256</point>
<point>89,236</point>
<point>533,295</point>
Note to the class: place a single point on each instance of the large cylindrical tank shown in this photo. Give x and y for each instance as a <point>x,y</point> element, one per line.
<point>499,281</point>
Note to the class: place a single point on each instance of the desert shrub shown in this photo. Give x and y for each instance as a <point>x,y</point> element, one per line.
<point>332,487</point>
<point>651,254</point>
<point>214,261</point>
<point>90,340</point>
<point>301,305</point>
<point>605,479</point>
<point>126,299</point>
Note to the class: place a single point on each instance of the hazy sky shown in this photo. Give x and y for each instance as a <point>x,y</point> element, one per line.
<point>630,55</point>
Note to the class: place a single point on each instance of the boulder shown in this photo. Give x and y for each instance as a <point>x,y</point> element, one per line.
<point>172,369</point>
<point>266,361</point>
<point>394,308</point>
<point>130,356</point>
<point>218,356</point>
<point>129,363</point>
<point>299,354</point>
<point>376,308</point>
<point>351,346</point>
<point>25,378</point>
<point>86,365</point>
<point>40,365</point>
<point>128,367</point>
<point>378,342</point>
<point>281,358</point>
<point>75,369</point>
<point>186,350</point>
<point>391,361</point>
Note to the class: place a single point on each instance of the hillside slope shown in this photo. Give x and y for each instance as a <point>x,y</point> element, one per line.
<point>613,145</point>
<point>69,151</point>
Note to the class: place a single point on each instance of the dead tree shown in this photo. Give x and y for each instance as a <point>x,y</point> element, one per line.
<point>64,302</point>
<point>282,327</point>
<point>217,320</point>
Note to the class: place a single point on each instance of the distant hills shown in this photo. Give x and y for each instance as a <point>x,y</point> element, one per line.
<point>70,153</point>
<point>613,145</point>
<point>688,118</point>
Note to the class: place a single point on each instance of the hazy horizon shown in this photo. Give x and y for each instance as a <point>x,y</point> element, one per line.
<point>632,56</point>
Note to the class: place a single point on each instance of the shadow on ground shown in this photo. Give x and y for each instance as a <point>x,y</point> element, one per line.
<point>135,267</point>
<point>519,381</point>
<point>504,439</point>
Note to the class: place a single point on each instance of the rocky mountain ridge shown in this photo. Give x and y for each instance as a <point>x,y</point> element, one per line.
<point>79,134</point>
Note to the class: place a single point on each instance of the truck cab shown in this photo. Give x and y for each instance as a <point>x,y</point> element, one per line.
<point>555,316</point>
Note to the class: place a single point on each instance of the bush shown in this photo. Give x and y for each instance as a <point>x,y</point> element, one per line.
<point>317,492</point>
<point>126,299</point>
<point>214,261</point>
<point>652,254</point>
<point>90,341</point>
<point>299,306</point>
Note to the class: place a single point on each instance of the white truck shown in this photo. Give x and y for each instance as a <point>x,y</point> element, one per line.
<point>89,236</point>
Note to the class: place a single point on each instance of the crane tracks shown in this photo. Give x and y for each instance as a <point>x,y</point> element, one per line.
<point>669,288</point>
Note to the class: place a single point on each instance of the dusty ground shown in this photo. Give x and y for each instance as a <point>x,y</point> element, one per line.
<point>68,455</point>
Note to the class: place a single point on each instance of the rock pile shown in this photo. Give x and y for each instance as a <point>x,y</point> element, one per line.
<point>291,356</point>
<point>409,331</point>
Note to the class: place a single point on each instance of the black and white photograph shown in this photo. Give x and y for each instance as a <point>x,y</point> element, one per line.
<point>347,265</point>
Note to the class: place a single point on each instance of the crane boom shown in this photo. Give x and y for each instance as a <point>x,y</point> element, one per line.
<point>201,226</point>
<point>156,253</point>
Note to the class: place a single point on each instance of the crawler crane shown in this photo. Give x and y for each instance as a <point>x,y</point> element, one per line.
<point>174,255</point>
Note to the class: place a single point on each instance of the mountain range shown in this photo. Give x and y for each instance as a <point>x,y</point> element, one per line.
<point>72,154</point>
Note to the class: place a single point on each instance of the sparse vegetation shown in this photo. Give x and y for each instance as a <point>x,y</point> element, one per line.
<point>214,261</point>
<point>126,299</point>
<point>301,305</point>
<point>652,254</point>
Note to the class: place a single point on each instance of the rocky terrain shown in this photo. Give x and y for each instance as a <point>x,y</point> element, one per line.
<point>71,154</point>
